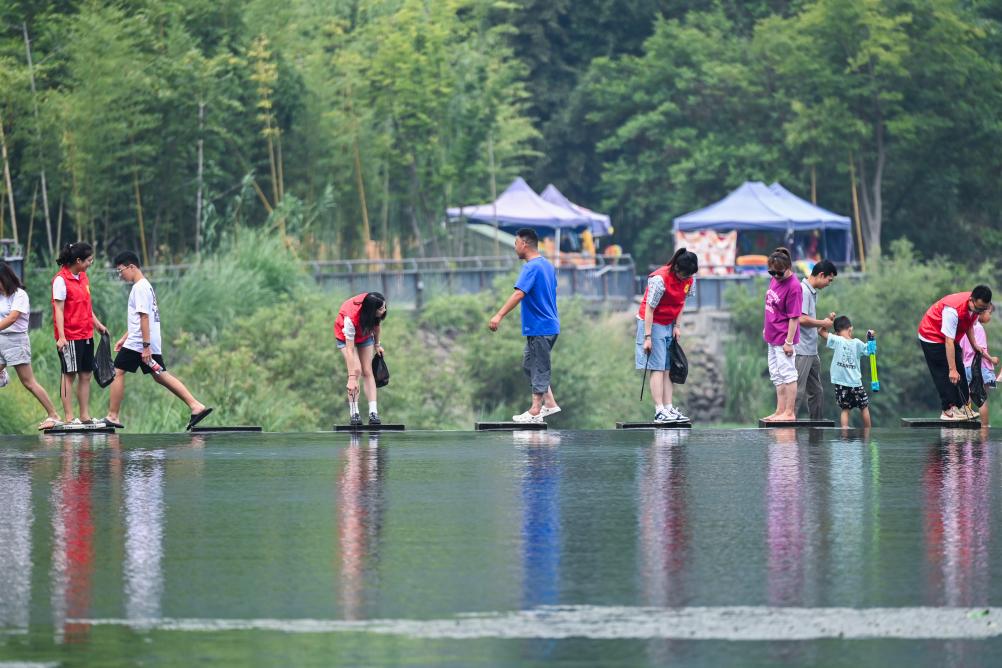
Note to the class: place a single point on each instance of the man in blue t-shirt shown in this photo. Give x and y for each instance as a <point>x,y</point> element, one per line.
<point>536,289</point>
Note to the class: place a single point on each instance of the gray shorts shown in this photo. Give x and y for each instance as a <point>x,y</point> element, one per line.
<point>536,361</point>
<point>15,349</point>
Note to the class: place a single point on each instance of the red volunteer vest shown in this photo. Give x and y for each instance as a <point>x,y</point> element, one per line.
<point>672,301</point>
<point>350,309</point>
<point>78,313</point>
<point>931,326</point>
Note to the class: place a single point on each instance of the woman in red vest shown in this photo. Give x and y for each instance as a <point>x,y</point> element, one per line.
<point>73,322</point>
<point>356,331</point>
<point>657,326</point>
<point>947,321</point>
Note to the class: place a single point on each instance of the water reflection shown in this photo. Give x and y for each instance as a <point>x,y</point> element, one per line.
<point>73,536</point>
<point>785,519</point>
<point>541,539</point>
<point>662,516</point>
<point>847,516</point>
<point>361,506</point>
<point>15,542</point>
<point>143,503</point>
<point>957,485</point>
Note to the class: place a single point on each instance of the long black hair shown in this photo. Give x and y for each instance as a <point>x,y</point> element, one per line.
<point>684,261</point>
<point>70,253</point>
<point>367,318</point>
<point>9,282</point>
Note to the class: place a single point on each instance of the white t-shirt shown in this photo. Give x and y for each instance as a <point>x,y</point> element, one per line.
<point>15,302</point>
<point>142,299</point>
<point>59,287</point>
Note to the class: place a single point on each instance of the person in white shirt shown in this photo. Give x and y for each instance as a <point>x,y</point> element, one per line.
<point>15,347</point>
<point>140,347</point>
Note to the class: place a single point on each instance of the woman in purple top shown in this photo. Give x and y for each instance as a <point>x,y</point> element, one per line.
<point>783,306</point>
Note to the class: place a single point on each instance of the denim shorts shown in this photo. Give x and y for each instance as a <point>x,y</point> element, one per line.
<point>364,344</point>
<point>661,337</point>
<point>986,374</point>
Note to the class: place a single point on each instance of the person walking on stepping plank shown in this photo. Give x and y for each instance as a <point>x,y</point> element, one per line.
<point>945,322</point>
<point>15,347</point>
<point>781,331</point>
<point>73,322</point>
<point>657,327</point>
<point>806,351</point>
<point>356,332</point>
<point>536,290</point>
<point>140,347</point>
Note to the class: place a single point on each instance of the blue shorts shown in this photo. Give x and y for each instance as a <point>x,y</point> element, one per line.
<point>661,336</point>
<point>364,344</point>
<point>988,375</point>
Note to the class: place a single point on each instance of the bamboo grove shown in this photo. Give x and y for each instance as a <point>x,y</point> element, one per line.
<point>346,127</point>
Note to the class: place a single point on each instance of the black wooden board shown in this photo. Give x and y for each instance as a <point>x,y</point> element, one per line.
<point>796,423</point>
<point>509,426</point>
<point>654,425</point>
<point>936,423</point>
<point>224,430</point>
<point>369,427</point>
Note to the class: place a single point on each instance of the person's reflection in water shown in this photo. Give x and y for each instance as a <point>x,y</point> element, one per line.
<point>73,537</point>
<point>785,519</point>
<point>143,501</point>
<point>662,515</point>
<point>958,495</point>
<point>541,538</point>
<point>664,532</point>
<point>847,515</point>
<point>360,518</point>
<point>15,542</point>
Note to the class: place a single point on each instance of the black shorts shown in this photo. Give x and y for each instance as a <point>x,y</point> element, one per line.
<point>851,397</point>
<point>131,361</point>
<point>77,356</point>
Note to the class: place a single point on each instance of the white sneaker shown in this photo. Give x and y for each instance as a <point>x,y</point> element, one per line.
<point>952,415</point>
<point>970,413</point>
<point>4,378</point>
<point>527,417</point>
<point>662,416</point>
<point>675,415</point>
<point>546,412</point>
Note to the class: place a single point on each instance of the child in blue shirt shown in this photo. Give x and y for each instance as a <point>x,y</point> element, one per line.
<point>845,372</point>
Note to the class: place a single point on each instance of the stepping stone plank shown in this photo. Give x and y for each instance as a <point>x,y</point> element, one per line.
<point>654,425</point>
<point>936,423</point>
<point>796,423</point>
<point>224,430</point>
<point>369,427</point>
<point>95,429</point>
<point>509,426</point>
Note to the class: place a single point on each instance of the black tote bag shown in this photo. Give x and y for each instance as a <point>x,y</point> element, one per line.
<point>104,367</point>
<point>678,365</point>
<point>380,371</point>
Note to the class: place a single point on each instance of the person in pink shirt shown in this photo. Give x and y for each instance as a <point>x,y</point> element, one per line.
<point>781,330</point>
<point>988,361</point>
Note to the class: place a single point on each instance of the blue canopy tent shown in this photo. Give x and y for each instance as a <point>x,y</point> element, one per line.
<point>519,206</point>
<point>601,224</point>
<point>756,207</point>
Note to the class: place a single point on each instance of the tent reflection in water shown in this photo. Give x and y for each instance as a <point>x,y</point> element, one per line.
<point>813,232</point>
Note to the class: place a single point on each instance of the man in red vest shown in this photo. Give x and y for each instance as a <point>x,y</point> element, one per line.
<point>946,321</point>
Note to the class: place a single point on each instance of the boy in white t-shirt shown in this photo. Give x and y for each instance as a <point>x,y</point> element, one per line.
<point>140,346</point>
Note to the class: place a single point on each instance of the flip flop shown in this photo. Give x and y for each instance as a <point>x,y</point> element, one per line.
<point>49,423</point>
<point>197,417</point>
<point>111,423</point>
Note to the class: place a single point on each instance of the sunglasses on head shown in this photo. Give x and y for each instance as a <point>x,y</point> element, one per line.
<point>777,274</point>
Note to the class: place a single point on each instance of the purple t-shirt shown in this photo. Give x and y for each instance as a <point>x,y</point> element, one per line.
<point>783,300</point>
